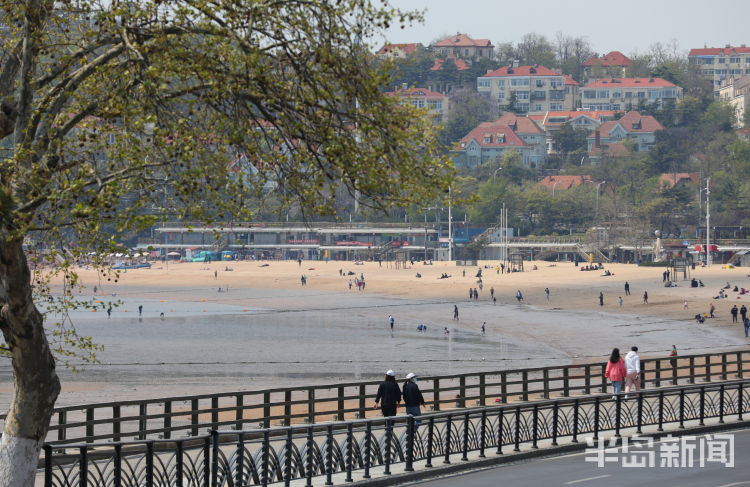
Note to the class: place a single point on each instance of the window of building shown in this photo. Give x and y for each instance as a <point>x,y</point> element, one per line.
<point>501,83</point>
<point>466,52</point>
<point>589,94</point>
<point>418,103</point>
<point>539,83</point>
<point>483,83</point>
<point>556,82</point>
<point>538,107</point>
<point>722,60</point>
<point>628,94</point>
<point>734,59</point>
<point>641,94</point>
<point>436,104</point>
<point>487,139</point>
<point>617,94</point>
<point>709,72</point>
<point>522,107</point>
<point>556,107</point>
<point>603,94</point>
<point>735,71</point>
<point>522,95</point>
<point>519,82</point>
<point>501,95</point>
<point>616,107</point>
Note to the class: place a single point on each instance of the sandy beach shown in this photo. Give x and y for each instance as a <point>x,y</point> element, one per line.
<point>264,328</point>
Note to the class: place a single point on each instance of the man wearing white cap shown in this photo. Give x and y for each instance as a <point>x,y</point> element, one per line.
<point>412,396</point>
<point>389,395</point>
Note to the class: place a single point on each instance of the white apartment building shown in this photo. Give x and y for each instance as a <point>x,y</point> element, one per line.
<point>534,89</point>
<point>718,64</point>
<point>623,94</point>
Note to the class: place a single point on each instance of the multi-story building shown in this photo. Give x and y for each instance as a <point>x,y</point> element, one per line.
<point>612,64</point>
<point>532,89</point>
<point>490,140</point>
<point>435,103</point>
<point>551,122</point>
<point>463,46</point>
<point>641,129</point>
<point>622,94</point>
<point>734,91</point>
<point>718,63</point>
<point>397,51</point>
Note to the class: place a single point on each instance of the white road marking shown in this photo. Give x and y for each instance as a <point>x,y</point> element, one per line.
<point>586,480</point>
<point>735,484</point>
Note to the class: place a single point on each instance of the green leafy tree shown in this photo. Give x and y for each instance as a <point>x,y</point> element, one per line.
<point>106,103</point>
<point>569,139</point>
<point>467,110</point>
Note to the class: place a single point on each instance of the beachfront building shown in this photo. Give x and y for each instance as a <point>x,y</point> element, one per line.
<point>435,103</point>
<point>613,64</point>
<point>640,129</point>
<point>551,122</point>
<point>733,91</point>
<point>622,94</point>
<point>718,64</point>
<point>529,89</point>
<point>463,46</point>
<point>397,51</point>
<point>490,140</point>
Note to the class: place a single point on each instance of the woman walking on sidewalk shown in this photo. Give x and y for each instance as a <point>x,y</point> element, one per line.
<point>615,371</point>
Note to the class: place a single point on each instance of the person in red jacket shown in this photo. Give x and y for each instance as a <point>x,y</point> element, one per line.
<point>615,371</point>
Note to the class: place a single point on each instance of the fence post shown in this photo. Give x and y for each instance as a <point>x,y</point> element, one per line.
<point>194,417</point>
<point>311,405</point>
<point>168,419</point>
<point>721,403</point>
<point>89,425</point>
<point>555,414</point>
<point>362,401</point>
<point>436,394</point>
<point>47,466</point>
<point>483,433</point>
<point>723,366</point>
<point>739,365</point>
<point>447,446</point>
<point>62,420</point>
<point>116,423</point>
<point>308,470</point>
<point>117,467</point>
<point>692,370</point>
<point>142,422</point>
<point>535,427</point>
<point>410,424</point>
<point>739,401</point>
<point>179,463</point>
<point>239,412</point>
<point>503,387</point>
<point>240,460</point>
<point>207,462</point>
<point>430,430</point>
<point>639,429</point>
<point>329,454</point>
<point>603,378</point>
<point>517,439</point>
<point>587,379</point>
<point>658,372</point>
<point>150,464</point>
<point>545,381</point>
<point>288,458</point>
<point>465,456</point>
<point>575,421</point>
<point>482,389</point>
<point>341,405</point>
<point>214,458</point>
<point>596,418</point>
<point>618,414</point>
<point>682,409</point>
<point>566,382</point>
<point>525,385</point>
<point>83,467</point>
<point>368,449</point>
<point>266,409</point>
<point>349,451</point>
<point>703,405</point>
<point>499,432</point>
<point>661,411</point>
<point>707,366</point>
<point>214,411</point>
<point>462,391</point>
<point>388,440</point>
<point>674,372</point>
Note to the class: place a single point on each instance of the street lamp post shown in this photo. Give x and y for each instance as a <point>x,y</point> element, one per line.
<point>553,188</point>
<point>495,173</point>
<point>597,196</point>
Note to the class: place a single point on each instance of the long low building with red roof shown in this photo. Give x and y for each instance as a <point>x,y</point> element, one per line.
<point>532,89</point>
<point>463,46</point>
<point>622,94</point>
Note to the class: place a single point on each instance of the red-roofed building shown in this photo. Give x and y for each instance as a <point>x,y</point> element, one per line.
<point>463,46</point>
<point>558,183</point>
<point>621,94</point>
<point>535,89</point>
<point>719,63</point>
<point>641,129</point>
<point>551,122</point>
<point>435,103</point>
<point>397,51</point>
<point>459,63</point>
<point>490,140</point>
<point>611,64</point>
<point>672,179</point>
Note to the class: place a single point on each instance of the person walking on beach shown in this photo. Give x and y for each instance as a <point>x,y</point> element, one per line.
<point>216,275</point>
<point>492,293</point>
<point>389,395</point>
<point>627,288</point>
<point>546,293</point>
<point>476,294</point>
<point>471,294</point>
<point>615,371</point>
<point>109,312</point>
<point>391,321</point>
<point>743,313</point>
<point>673,357</point>
<point>140,310</point>
<point>455,312</point>
<point>413,397</point>
<point>483,325</point>
<point>711,310</point>
<point>519,296</point>
<point>746,322</point>
<point>620,299</point>
<point>601,298</point>
<point>734,313</point>
<point>633,370</point>
<point>645,297</point>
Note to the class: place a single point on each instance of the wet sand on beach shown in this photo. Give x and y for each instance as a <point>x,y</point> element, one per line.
<point>267,330</point>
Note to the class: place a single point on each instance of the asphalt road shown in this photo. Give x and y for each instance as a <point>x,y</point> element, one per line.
<point>575,470</point>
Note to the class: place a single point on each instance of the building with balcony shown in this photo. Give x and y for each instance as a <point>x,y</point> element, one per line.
<point>718,64</point>
<point>733,91</point>
<point>463,46</point>
<point>623,94</point>
<point>435,103</point>
<point>490,140</point>
<point>613,64</point>
<point>531,89</point>
<point>397,51</point>
<point>641,129</point>
<point>551,122</point>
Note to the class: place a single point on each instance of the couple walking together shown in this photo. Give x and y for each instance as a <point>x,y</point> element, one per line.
<point>628,370</point>
<point>389,395</point>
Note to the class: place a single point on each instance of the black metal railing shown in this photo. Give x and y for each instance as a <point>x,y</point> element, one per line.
<point>373,446</point>
<point>176,417</point>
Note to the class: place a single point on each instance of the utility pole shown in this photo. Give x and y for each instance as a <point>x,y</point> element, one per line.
<point>450,226</point>
<point>708,222</point>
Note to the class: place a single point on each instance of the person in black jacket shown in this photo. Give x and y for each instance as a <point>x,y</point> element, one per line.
<point>413,396</point>
<point>389,395</point>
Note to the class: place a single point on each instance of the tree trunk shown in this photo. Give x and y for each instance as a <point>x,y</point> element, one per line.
<point>36,384</point>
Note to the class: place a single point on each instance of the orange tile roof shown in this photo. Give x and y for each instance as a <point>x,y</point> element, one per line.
<point>408,48</point>
<point>647,124</point>
<point>715,51</point>
<point>491,130</point>
<point>672,178</point>
<point>460,64</point>
<point>630,83</point>
<point>520,125</point>
<point>462,40</point>
<point>521,71</point>
<point>570,81</point>
<point>614,58</point>
<point>563,182</point>
<point>572,115</point>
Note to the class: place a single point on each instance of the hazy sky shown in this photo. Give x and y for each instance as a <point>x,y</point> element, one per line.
<point>626,26</point>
